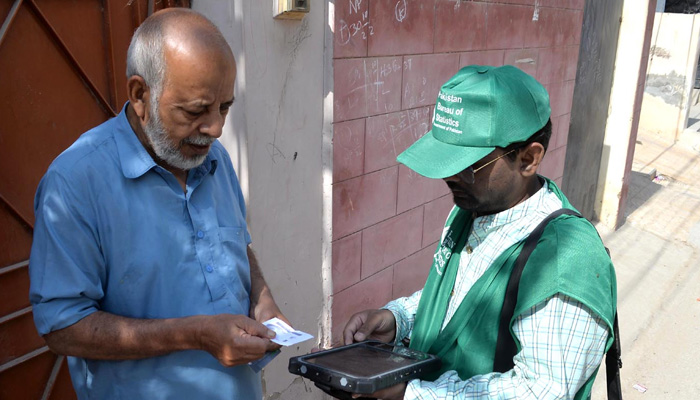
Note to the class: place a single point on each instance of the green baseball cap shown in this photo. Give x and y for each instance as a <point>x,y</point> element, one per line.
<point>478,109</point>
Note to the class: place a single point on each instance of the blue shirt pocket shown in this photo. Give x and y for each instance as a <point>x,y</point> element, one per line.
<point>235,268</point>
<point>228,234</point>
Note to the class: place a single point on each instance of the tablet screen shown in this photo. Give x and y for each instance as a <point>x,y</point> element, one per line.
<point>362,361</point>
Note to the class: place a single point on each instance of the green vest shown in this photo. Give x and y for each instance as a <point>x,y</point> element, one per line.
<point>569,258</point>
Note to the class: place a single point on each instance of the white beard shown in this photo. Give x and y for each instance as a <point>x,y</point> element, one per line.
<point>168,151</point>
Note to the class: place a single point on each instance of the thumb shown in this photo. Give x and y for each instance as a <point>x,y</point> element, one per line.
<point>255,328</point>
<point>360,336</point>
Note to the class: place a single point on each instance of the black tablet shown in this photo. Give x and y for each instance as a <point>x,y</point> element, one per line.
<point>364,367</point>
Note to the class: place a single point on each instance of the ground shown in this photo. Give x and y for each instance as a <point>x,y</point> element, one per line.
<point>657,259</point>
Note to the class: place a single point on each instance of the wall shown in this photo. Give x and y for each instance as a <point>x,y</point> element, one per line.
<point>390,59</point>
<point>601,27</point>
<point>671,74</point>
<point>274,134</point>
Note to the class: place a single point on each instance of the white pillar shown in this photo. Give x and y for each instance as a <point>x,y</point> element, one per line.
<point>625,105</point>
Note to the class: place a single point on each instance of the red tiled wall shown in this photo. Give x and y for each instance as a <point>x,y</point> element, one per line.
<point>390,59</point>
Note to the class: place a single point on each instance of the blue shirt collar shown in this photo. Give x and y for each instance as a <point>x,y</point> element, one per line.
<point>135,160</point>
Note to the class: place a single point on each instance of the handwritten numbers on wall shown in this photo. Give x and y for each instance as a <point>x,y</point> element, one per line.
<point>358,20</point>
<point>357,23</point>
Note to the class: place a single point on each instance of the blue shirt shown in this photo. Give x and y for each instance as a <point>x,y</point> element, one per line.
<point>115,232</point>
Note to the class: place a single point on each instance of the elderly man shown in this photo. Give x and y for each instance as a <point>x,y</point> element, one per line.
<point>141,269</point>
<point>490,132</point>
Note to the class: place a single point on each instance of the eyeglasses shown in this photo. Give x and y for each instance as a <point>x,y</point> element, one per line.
<point>468,174</point>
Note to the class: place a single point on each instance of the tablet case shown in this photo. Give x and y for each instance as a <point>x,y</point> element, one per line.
<point>383,365</point>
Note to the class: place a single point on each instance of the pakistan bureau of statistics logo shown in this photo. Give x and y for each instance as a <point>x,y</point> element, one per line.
<point>442,256</point>
<point>446,109</point>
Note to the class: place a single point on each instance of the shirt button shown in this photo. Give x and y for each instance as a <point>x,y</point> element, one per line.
<point>469,249</point>
<point>200,234</point>
<point>209,268</point>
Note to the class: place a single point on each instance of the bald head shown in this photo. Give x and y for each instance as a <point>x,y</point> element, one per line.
<point>172,30</point>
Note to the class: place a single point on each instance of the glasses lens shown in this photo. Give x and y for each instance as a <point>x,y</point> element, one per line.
<point>469,175</point>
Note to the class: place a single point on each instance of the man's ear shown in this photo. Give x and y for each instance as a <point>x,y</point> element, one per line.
<point>530,158</point>
<point>138,94</point>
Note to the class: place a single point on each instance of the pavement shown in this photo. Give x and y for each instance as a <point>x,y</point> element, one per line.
<point>657,261</point>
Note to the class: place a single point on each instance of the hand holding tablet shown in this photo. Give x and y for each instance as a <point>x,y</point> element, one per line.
<point>363,368</point>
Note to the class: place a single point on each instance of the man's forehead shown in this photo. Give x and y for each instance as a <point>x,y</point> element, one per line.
<point>191,54</point>
<point>199,78</point>
<point>195,34</point>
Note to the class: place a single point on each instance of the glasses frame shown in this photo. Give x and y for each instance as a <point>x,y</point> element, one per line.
<point>472,172</point>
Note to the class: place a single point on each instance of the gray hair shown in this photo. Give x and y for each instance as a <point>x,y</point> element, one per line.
<point>145,56</point>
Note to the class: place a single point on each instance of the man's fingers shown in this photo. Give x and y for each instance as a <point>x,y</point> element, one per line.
<point>236,339</point>
<point>272,346</point>
<point>392,392</point>
<point>360,337</point>
<point>351,328</point>
<point>372,324</point>
<point>255,328</point>
<point>255,346</point>
<point>347,337</point>
<point>260,335</point>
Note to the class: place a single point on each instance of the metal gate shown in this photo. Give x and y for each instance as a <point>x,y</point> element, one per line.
<point>62,71</point>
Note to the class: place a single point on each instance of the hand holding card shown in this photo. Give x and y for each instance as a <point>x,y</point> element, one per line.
<point>286,335</point>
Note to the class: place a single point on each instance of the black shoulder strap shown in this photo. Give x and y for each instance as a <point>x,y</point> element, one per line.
<point>613,363</point>
<point>505,345</point>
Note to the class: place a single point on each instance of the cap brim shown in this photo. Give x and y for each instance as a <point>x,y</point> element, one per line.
<point>435,159</point>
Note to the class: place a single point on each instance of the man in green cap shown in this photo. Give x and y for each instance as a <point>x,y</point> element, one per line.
<point>490,131</point>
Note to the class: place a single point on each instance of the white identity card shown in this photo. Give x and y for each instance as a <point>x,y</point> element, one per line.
<point>286,335</point>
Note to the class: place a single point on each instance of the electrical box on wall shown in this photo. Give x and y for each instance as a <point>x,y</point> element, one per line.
<point>291,9</point>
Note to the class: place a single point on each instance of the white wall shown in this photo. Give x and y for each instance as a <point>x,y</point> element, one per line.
<point>671,74</point>
<point>275,135</point>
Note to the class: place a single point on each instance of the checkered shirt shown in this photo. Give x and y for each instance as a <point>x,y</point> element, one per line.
<point>562,340</point>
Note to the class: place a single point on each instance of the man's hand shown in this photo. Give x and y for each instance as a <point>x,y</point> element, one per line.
<point>235,339</point>
<point>395,392</point>
<point>266,309</point>
<point>370,324</point>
